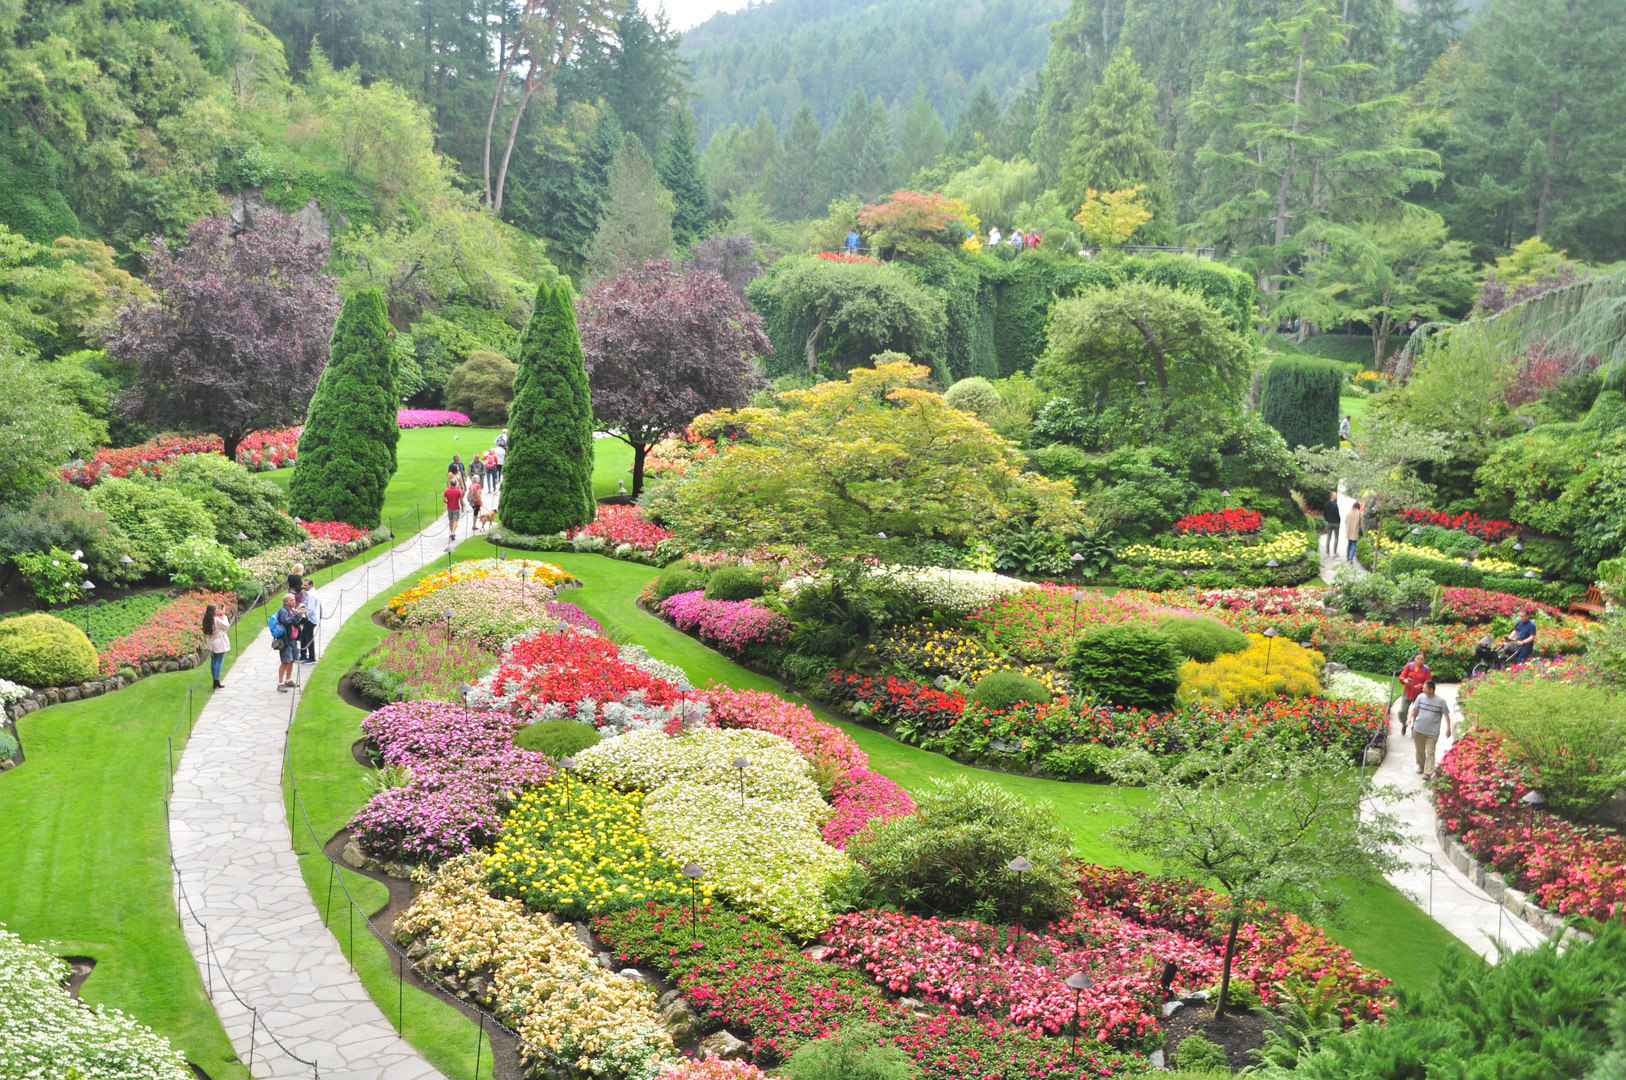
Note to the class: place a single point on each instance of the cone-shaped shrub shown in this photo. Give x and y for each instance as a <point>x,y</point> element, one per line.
<point>547,480</point>
<point>347,450</point>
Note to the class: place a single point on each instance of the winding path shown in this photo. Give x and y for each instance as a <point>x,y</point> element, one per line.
<point>271,967</point>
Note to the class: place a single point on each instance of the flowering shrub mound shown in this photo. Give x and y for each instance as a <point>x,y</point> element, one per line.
<point>545,984</point>
<point>463,769</point>
<point>336,531</point>
<point>1269,601</point>
<point>1488,564</point>
<point>860,797</point>
<point>1266,669</point>
<point>420,665</point>
<point>895,700</point>
<point>416,418</point>
<point>572,616</point>
<point>1571,869</point>
<point>578,849</point>
<point>1187,553</point>
<point>490,600</point>
<point>1470,523</point>
<point>263,451</point>
<point>926,649</point>
<point>976,969</point>
<point>173,631</point>
<point>1232,522</point>
<point>647,761</point>
<point>1274,947</point>
<point>539,574</point>
<point>1474,606</point>
<point>843,257</point>
<point>826,747</point>
<point>574,676</point>
<point>732,625</point>
<point>950,592</point>
<point>49,1034</point>
<point>146,458</point>
<point>711,1069</point>
<point>620,526</point>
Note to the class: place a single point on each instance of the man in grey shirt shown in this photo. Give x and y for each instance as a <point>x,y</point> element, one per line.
<point>1428,712</point>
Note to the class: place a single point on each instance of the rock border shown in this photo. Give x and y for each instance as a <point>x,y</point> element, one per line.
<point>57,695</point>
<point>1516,902</point>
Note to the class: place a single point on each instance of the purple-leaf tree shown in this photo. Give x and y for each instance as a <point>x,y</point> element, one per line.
<point>663,346</point>
<point>732,257</point>
<point>237,332</point>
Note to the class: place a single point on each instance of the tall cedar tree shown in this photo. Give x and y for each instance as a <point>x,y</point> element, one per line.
<point>664,346</point>
<point>548,476</point>
<point>637,221</point>
<point>238,333</point>
<point>347,450</point>
<point>978,131</point>
<point>793,189</point>
<point>1116,144</point>
<point>921,136</point>
<point>679,172</point>
<point>857,156</point>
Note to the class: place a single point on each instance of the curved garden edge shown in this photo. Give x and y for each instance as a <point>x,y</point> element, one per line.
<point>1517,903</point>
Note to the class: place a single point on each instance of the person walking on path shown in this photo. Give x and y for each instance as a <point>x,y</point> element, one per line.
<point>1428,713</point>
<point>1352,530</point>
<point>1413,677</point>
<point>477,471</point>
<point>454,508</point>
<point>501,439</point>
<point>296,580</point>
<point>495,472</point>
<point>460,469</point>
<point>287,620</point>
<point>1524,636</point>
<point>1343,429</point>
<point>1331,516</point>
<point>313,619</point>
<point>476,504</point>
<point>216,640</point>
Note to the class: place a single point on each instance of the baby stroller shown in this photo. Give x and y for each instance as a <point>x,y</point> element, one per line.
<point>1490,656</point>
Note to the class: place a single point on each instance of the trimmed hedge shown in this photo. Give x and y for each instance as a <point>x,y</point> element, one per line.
<point>675,579</point>
<point>1449,574</point>
<point>548,476</point>
<point>735,583</point>
<point>557,738</point>
<point>1300,400</point>
<point>1002,689</point>
<point>42,650</point>
<point>1128,666</point>
<point>347,450</point>
<point>1203,640</point>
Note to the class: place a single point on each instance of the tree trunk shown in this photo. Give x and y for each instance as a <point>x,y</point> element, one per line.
<point>1225,974</point>
<point>639,452</point>
<point>813,345</point>
<point>508,151</point>
<point>232,443</point>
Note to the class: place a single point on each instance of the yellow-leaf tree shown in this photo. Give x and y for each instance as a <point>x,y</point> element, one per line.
<point>1108,218</point>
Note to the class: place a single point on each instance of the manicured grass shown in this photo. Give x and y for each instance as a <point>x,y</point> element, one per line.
<point>87,861</point>
<point>1379,925</point>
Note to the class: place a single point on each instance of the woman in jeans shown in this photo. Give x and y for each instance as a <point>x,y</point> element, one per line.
<point>216,640</point>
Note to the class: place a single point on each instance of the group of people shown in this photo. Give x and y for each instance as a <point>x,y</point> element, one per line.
<point>1351,522</point>
<point>466,484</point>
<point>1028,241</point>
<point>293,630</point>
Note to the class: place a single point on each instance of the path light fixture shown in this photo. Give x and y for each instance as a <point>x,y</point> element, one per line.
<point>125,560</point>
<point>568,764</point>
<point>982,548</point>
<point>86,587</point>
<point>742,764</point>
<point>463,691</point>
<point>1467,562</point>
<point>1077,982</point>
<point>1533,798</point>
<point>449,614</point>
<point>1518,545</point>
<point>694,872</point>
<point>1272,563</point>
<point>1224,493</point>
<point>1417,530</point>
<point>1019,866</point>
<point>881,535</point>
<point>1270,643</point>
<point>241,535</point>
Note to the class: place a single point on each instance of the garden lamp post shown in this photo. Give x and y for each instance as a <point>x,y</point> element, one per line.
<point>1533,798</point>
<point>449,614</point>
<point>1019,866</point>
<point>694,872</point>
<point>742,764</point>
<point>524,572</point>
<point>568,764</point>
<point>1078,982</point>
<point>1270,642</point>
<point>241,535</point>
<point>463,691</point>
<point>1078,565</point>
<point>86,587</point>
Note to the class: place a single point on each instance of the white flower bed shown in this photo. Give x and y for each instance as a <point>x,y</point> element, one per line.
<point>645,761</point>
<point>1348,686</point>
<point>46,1035</point>
<point>952,592</point>
<point>11,692</point>
<point>639,657</point>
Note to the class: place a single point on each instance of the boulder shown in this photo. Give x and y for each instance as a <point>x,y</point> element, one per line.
<point>70,693</point>
<point>1331,668</point>
<point>606,961</point>
<point>353,855</point>
<point>723,1046</point>
<point>90,689</point>
<point>583,935</point>
<point>816,952</point>
<point>667,998</point>
<point>1172,1007</point>
<point>681,1021</point>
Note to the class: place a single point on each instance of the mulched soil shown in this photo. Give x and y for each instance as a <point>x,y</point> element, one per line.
<point>1236,1034</point>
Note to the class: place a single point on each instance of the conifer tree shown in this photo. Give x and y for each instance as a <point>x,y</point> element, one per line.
<point>679,173</point>
<point>637,221</point>
<point>978,131</point>
<point>793,189</point>
<point>548,477</point>
<point>347,450</point>
<point>1116,143</point>
<point>921,136</point>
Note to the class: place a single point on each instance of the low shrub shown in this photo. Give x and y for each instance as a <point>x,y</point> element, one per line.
<point>973,395</point>
<point>53,576</point>
<point>557,738</point>
<point>43,650</point>
<point>1129,666</point>
<point>1269,668</point>
<point>1003,689</point>
<point>952,856</point>
<point>677,578</point>
<point>1203,639</point>
<point>1199,1055</point>
<point>853,1053</point>
<point>202,562</point>
<point>736,583</point>
<point>1572,736</point>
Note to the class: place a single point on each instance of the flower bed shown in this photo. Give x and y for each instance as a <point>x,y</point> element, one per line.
<point>1232,522</point>
<point>732,625</point>
<point>540,574</point>
<point>1485,564</point>
<point>1264,671</point>
<point>270,568</point>
<point>620,526</point>
<point>1268,601</point>
<point>490,600</point>
<point>463,774</point>
<point>48,1034</point>
<point>923,648</point>
<point>860,797</point>
<point>1041,623</point>
<point>1470,523</point>
<point>336,531</point>
<point>420,665</point>
<point>173,631</point>
<point>647,761</point>
<point>543,982</point>
<point>572,616</point>
<point>895,700</point>
<point>1474,606</point>
<point>951,592</point>
<point>146,458</point>
<point>569,675</point>
<point>825,747</point>
<point>416,418</point>
<point>1290,548</point>
<point>1368,646</point>
<point>264,451</point>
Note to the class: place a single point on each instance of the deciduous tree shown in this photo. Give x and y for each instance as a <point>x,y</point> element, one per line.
<point>866,306</point>
<point>238,332</point>
<point>663,346</point>
<point>732,257</point>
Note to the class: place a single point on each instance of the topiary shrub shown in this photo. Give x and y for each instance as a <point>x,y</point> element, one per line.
<point>735,583</point>
<point>1129,666</point>
<point>677,578</point>
<point>1300,399</point>
<point>547,480</point>
<point>557,738</point>
<point>347,450</point>
<point>1002,689</point>
<point>1197,1054</point>
<point>973,395</point>
<point>482,386</point>
<point>43,650</point>
<point>1203,639</point>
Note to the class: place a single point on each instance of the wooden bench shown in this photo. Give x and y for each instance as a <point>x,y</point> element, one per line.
<point>1588,603</point>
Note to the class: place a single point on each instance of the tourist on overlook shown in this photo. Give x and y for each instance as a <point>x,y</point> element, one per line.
<point>216,640</point>
<point>852,241</point>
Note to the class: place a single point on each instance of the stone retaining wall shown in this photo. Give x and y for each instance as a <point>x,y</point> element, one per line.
<point>1517,903</point>
<point>56,695</point>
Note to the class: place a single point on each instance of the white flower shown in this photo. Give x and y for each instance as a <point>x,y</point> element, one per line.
<point>10,691</point>
<point>1348,686</point>
<point>952,592</point>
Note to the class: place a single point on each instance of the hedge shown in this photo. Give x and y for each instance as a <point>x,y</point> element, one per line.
<point>42,650</point>
<point>1300,400</point>
<point>1454,574</point>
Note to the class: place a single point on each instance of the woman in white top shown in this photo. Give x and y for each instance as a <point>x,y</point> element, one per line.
<point>217,640</point>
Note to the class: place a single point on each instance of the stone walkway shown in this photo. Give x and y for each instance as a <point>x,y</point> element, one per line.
<point>265,946</point>
<point>1429,878</point>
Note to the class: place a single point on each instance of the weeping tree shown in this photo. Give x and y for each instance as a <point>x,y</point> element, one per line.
<point>547,483</point>
<point>347,450</point>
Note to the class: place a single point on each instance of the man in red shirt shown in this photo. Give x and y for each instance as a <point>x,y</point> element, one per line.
<point>454,507</point>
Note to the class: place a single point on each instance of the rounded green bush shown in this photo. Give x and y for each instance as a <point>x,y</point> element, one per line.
<point>1129,666</point>
<point>1203,640</point>
<point>43,650</point>
<point>677,578</point>
<point>1199,1055</point>
<point>557,738</point>
<point>735,583</point>
<point>973,395</point>
<point>1002,689</point>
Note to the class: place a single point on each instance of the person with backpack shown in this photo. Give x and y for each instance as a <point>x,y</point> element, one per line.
<point>477,471</point>
<point>476,503</point>
<point>284,626</point>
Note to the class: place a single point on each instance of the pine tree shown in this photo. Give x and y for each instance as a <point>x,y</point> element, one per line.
<point>978,131</point>
<point>679,173</point>
<point>637,221</point>
<point>794,186</point>
<point>641,75</point>
<point>1077,57</point>
<point>1116,143</point>
<point>548,476</point>
<point>921,137</point>
<point>1426,31</point>
<point>857,158</point>
<point>347,450</point>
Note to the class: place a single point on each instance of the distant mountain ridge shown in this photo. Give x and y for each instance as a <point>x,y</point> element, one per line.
<point>778,54</point>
